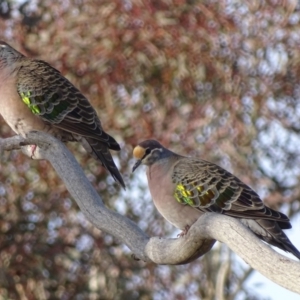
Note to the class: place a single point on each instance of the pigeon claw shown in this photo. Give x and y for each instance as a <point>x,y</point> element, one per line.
<point>184,231</point>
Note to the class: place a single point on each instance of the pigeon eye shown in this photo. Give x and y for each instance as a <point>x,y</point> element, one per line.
<point>148,150</point>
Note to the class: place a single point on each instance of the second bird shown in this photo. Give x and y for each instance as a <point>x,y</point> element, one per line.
<point>36,96</point>
<point>183,188</point>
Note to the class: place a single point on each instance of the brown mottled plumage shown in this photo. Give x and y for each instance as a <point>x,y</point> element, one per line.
<point>184,188</point>
<point>35,96</point>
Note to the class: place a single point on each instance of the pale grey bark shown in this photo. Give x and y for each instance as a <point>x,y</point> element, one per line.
<point>197,242</point>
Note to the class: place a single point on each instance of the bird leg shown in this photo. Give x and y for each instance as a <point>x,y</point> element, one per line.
<point>184,231</point>
<point>33,148</point>
<point>30,149</point>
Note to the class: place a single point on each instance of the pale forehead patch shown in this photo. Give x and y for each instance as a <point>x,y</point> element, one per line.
<point>138,152</point>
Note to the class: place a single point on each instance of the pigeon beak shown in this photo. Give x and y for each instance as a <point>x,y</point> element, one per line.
<point>136,165</point>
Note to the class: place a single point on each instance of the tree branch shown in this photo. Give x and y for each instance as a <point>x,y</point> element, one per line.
<point>199,240</point>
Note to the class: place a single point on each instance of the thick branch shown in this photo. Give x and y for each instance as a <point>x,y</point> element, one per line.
<point>198,241</point>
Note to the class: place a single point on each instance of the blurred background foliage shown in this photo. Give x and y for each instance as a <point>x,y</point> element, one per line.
<point>214,79</point>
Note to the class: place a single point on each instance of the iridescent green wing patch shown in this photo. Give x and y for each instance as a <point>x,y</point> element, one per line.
<point>47,105</point>
<point>202,184</point>
<point>194,196</point>
<point>55,112</point>
<point>28,101</point>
